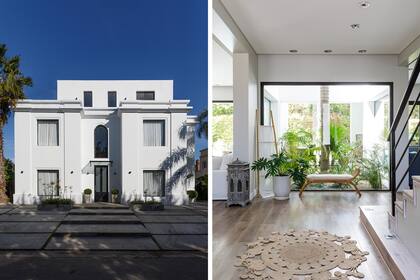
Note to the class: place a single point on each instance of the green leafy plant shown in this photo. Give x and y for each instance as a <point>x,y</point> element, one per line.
<point>298,170</point>
<point>374,167</point>
<point>201,186</point>
<point>192,194</point>
<point>57,201</point>
<point>87,191</point>
<point>115,191</point>
<point>278,165</point>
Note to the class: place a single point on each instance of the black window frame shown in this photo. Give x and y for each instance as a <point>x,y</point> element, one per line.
<point>57,190</point>
<point>87,96</point>
<point>113,102</point>
<point>145,92</point>
<point>96,153</point>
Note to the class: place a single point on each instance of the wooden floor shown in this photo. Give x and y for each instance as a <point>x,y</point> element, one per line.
<point>336,212</point>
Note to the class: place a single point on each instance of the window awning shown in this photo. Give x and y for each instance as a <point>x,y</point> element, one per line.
<point>100,162</point>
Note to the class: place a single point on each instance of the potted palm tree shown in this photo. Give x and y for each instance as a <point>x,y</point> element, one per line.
<point>282,168</point>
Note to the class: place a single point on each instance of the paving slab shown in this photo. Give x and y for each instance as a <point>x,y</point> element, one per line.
<point>180,212</point>
<point>27,227</point>
<point>30,218</point>
<point>182,242</point>
<point>172,219</point>
<point>101,229</point>
<point>177,228</point>
<point>104,219</point>
<point>34,211</point>
<point>101,243</point>
<point>23,241</point>
<point>5,210</point>
<point>84,211</point>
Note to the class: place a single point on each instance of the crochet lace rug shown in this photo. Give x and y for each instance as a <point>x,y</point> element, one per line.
<point>308,255</point>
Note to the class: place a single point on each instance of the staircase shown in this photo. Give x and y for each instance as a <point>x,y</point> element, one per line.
<point>407,216</point>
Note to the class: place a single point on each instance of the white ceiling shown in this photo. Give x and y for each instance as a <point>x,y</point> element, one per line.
<point>311,26</point>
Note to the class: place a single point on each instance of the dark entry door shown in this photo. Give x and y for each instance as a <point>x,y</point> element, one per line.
<point>101,183</point>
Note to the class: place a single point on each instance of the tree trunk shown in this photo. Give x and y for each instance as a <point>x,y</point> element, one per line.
<point>3,196</point>
<point>325,147</point>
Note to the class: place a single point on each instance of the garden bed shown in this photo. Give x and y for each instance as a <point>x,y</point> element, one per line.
<point>54,204</point>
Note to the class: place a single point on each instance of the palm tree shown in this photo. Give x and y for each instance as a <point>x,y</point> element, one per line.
<point>202,126</point>
<point>12,82</point>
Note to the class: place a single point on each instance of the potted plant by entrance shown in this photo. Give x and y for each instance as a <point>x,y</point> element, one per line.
<point>114,195</point>
<point>282,168</point>
<point>87,195</point>
<point>192,195</point>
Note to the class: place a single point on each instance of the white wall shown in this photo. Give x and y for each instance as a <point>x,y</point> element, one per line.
<point>338,68</point>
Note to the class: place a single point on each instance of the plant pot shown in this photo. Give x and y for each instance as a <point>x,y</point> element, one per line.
<point>87,198</point>
<point>114,198</point>
<point>281,187</point>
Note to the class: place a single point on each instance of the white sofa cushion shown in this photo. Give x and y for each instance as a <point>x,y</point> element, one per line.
<point>329,177</point>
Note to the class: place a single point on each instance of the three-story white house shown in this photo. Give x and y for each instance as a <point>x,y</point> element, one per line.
<point>126,135</point>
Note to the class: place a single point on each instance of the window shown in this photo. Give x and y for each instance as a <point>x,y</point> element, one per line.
<point>145,95</point>
<point>47,132</point>
<point>222,128</point>
<point>101,142</point>
<point>267,110</point>
<point>154,183</point>
<point>48,183</point>
<point>112,99</point>
<point>87,99</point>
<point>154,132</point>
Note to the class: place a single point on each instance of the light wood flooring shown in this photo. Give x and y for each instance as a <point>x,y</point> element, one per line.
<point>336,212</point>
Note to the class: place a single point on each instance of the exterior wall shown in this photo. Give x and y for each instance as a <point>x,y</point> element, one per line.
<point>127,156</point>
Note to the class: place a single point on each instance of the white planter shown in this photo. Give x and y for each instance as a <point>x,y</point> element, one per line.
<point>281,187</point>
<point>87,198</point>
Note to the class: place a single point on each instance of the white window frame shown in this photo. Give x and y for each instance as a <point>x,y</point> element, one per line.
<point>58,131</point>
<point>165,130</point>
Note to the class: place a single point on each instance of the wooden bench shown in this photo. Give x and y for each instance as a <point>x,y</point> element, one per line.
<point>344,179</point>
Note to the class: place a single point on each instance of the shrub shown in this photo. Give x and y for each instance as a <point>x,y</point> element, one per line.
<point>201,187</point>
<point>57,201</point>
<point>87,191</point>
<point>192,194</point>
<point>115,191</point>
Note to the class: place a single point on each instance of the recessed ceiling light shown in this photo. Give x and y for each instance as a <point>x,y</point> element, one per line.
<point>355,26</point>
<point>362,51</point>
<point>293,51</point>
<point>364,4</point>
<point>327,51</point>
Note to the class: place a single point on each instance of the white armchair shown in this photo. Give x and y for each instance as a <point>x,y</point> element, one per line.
<point>219,176</point>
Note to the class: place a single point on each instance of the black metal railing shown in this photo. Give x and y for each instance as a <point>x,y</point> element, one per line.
<point>398,123</point>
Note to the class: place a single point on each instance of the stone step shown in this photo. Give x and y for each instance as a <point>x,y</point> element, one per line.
<point>30,218</point>
<point>108,243</point>
<point>108,230</point>
<point>83,211</point>
<point>23,241</point>
<point>399,205</point>
<point>409,194</point>
<point>177,228</point>
<point>102,205</point>
<point>101,219</point>
<point>172,219</point>
<point>27,227</point>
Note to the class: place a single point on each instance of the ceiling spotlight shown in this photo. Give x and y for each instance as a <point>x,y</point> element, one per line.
<point>293,51</point>
<point>364,4</point>
<point>327,51</point>
<point>355,26</point>
<point>362,51</point>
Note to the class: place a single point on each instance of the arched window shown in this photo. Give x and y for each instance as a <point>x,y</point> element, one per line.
<point>101,142</point>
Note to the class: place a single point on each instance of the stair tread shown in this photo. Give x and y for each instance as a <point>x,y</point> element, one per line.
<point>409,193</point>
<point>399,204</point>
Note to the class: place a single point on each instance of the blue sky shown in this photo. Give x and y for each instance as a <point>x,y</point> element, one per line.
<point>103,39</point>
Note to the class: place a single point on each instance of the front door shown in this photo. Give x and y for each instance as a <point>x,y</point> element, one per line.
<point>101,183</point>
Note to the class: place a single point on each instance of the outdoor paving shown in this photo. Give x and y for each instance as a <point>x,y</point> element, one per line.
<point>102,243</point>
<point>103,227</point>
<point>23,241</point>
<point>34,227</point>
<point>177,228</point>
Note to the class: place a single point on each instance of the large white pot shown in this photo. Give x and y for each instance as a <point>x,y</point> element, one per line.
<point>281,187</point>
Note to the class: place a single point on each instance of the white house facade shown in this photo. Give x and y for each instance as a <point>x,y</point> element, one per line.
<point>104,135</point>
